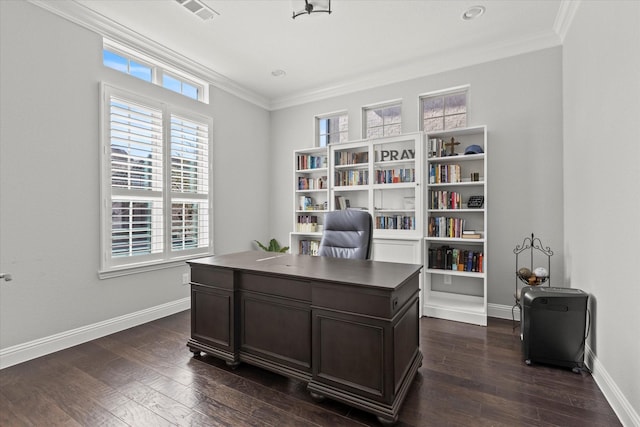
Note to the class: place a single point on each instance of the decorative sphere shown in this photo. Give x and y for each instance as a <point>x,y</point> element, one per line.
<point>524,272</point>
<point>541,272</point>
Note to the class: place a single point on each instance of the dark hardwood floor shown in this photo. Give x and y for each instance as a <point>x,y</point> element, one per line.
<point>146,376</point>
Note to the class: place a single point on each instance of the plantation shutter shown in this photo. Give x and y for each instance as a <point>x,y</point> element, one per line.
<point>189,184</point>
<point>136,165</point>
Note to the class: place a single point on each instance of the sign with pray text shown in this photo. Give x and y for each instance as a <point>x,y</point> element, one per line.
<point>389,155</point>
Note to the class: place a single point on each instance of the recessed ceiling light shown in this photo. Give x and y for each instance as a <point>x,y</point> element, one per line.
<point>278,73</point>
<point>473,12</point>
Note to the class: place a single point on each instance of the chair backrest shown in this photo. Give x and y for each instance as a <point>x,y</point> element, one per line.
<point>347,234</point>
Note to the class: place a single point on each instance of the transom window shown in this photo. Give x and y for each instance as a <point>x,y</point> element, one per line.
<point>444,110</point>
<point>155,182</point>
<point>333,128</point>
<point>138,65</point>
<point>382,120</point>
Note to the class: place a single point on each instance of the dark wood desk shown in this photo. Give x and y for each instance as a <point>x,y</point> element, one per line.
<point>347,327</point>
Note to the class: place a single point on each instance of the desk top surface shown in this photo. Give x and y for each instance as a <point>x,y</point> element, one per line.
<point>375,274</point>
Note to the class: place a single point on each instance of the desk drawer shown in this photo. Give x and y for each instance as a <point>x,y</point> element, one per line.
<point>383,303</point>
<point>276,286</point>
<point>211,276</point>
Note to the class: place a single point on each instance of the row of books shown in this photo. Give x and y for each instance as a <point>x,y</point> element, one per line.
<point>307,161</point>
<point>351,158</point>
<point>307,223</point>
<point>443,199</point>
<point>444,173</point>
<point>447,258</point>
<point>441,226</point>
<point>388,176</point>
<point>342,203</point>
<point>395,222</point>
<point>352,177</point>
<point>309,247</point>
<point>437,148</point>
<point>305,183</point>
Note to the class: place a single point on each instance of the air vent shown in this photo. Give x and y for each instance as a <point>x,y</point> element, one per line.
<point>198,8</point>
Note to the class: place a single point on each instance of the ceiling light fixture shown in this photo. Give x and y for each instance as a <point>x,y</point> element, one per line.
<point>473,12</point>
<point>199,9</point>
<point>310,7</point>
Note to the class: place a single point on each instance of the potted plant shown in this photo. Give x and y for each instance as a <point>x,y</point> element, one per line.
<point>274,246</point>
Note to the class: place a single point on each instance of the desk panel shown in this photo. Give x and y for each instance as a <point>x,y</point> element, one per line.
<point>276,329</point>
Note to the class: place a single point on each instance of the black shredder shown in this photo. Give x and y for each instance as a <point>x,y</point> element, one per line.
<point>553,326</point>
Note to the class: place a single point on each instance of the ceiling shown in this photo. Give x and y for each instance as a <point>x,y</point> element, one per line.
<point>362,43</point>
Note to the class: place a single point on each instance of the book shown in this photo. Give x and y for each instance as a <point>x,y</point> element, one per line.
<point>472,236</point>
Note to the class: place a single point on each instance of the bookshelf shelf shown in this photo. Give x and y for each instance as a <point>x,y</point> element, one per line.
<point>315,190</point>
<point>455,240</point>
<point>310,234</point>
<point>460,211</point>
<point>393,185</point>
<point>454,159</point>
<point>459,184</point>
<point>455,267</point>
<point>394,210</point>
<point>352,166</point>
<point>455,273</point>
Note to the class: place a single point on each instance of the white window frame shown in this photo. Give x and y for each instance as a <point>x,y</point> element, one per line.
<point>158,69</point>
<point>377,106</point>
<point>332,115</point>
<point>443,93</point>
<point>111,266</point>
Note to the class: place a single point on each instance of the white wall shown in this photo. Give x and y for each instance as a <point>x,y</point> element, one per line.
<point>49,180</point>
<point>519,99</point>
<point>601,83</point>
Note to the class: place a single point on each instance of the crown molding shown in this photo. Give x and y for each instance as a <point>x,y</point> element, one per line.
<point>85,17</point>
<point>437,63</point>
<point>434,64</point>
<point>564,18</point>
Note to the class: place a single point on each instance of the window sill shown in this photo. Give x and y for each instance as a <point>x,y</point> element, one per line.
<point>145,268</point>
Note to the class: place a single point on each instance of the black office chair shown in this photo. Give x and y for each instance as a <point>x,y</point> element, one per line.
<point>347,234</point>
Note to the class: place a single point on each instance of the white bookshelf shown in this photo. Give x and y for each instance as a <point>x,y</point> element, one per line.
<point>455,290</point>
<point>311,199</point>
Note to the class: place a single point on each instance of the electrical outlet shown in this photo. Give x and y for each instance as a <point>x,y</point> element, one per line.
<point>185,278</point>
<point>447,279</point>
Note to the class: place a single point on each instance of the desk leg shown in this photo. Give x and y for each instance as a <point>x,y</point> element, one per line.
<point>317,396</point>
<point>387,421</point>
<point>232,365</point>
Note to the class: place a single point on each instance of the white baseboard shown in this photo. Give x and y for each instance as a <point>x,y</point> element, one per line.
<point>30,350</point>
<point>621,406</point>
<point>502,311</point>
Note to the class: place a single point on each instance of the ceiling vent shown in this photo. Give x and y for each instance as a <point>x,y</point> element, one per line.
<point>198,8</point>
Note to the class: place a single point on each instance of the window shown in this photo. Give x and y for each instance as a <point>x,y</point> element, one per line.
<point>138,65</point>
<point>382,120</point>
<point>444,109</point>
<point>333,128</point>
<point>155,180</point>
<point>126,65</point>
<point>181,86</point>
